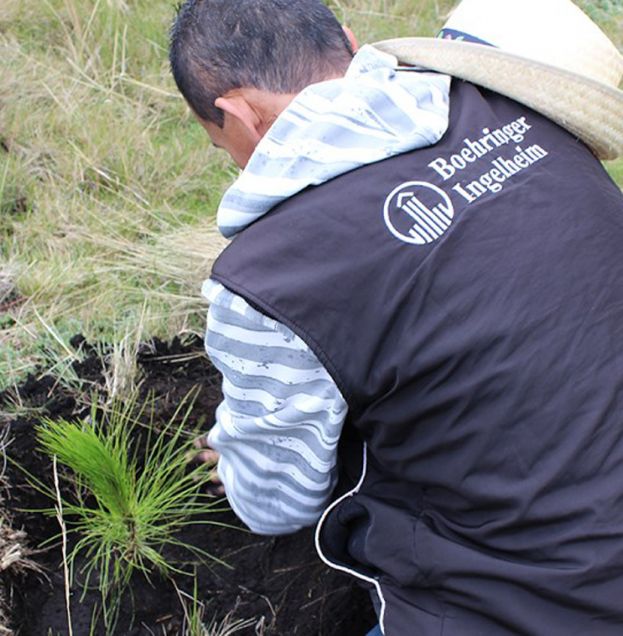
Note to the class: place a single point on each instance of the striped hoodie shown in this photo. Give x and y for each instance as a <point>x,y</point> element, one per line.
<point>278,426</point>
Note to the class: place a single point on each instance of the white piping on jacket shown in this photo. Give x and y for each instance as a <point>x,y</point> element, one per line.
<point>341,568</point>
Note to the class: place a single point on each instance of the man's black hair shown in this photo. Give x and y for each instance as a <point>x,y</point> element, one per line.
<point>277,45</point>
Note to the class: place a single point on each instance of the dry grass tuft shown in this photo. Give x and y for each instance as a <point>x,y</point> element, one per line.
<point>15,555</point>
<point>7,285</point>
<point>15,558</point>
<point>101,166</point>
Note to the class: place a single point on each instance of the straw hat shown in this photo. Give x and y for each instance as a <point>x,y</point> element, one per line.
<point>546,54</point>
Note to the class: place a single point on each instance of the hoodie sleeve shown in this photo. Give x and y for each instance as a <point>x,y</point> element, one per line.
<point>278,426</point>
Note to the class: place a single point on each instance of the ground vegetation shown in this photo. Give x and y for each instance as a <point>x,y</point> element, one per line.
<point>108,191</point>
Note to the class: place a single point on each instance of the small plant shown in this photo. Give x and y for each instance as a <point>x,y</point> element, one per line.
<point>127,504</point>
<point>194,618</point>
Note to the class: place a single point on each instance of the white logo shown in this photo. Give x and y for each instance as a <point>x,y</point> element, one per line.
<point>418,212</point>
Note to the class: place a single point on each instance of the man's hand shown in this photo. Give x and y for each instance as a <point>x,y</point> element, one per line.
<point>207,455</point>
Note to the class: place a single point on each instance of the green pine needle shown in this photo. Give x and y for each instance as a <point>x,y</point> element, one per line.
<point>128,504</point>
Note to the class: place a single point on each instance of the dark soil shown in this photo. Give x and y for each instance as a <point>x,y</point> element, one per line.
<point>278,582</point>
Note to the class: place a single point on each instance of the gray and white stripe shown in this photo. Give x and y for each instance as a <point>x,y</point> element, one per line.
<point>279,424</point>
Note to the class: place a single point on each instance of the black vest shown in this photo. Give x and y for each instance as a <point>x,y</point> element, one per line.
<point>467,299</point>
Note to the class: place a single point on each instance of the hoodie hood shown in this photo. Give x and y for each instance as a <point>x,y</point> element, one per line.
<point>377,110</point>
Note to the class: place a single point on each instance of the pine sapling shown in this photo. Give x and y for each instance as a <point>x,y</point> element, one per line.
<point>128,503</point>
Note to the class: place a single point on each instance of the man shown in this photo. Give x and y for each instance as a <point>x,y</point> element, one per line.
<point>423,301</point>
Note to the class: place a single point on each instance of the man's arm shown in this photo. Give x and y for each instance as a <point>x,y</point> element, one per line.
<point>278,426</point>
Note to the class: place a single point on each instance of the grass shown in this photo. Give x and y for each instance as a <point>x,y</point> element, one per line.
<point>102,175</point>
<point>195,620</point>
<point>127,505</point>
<point>108,187</point>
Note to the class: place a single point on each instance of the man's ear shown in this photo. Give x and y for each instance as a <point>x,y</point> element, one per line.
<point>351,38</point>
<point>238,107</point>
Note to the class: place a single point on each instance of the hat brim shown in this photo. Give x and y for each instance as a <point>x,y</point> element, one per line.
<point>588,109</point>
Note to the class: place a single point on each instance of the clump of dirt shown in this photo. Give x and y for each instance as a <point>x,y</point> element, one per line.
<point>278,582</point>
